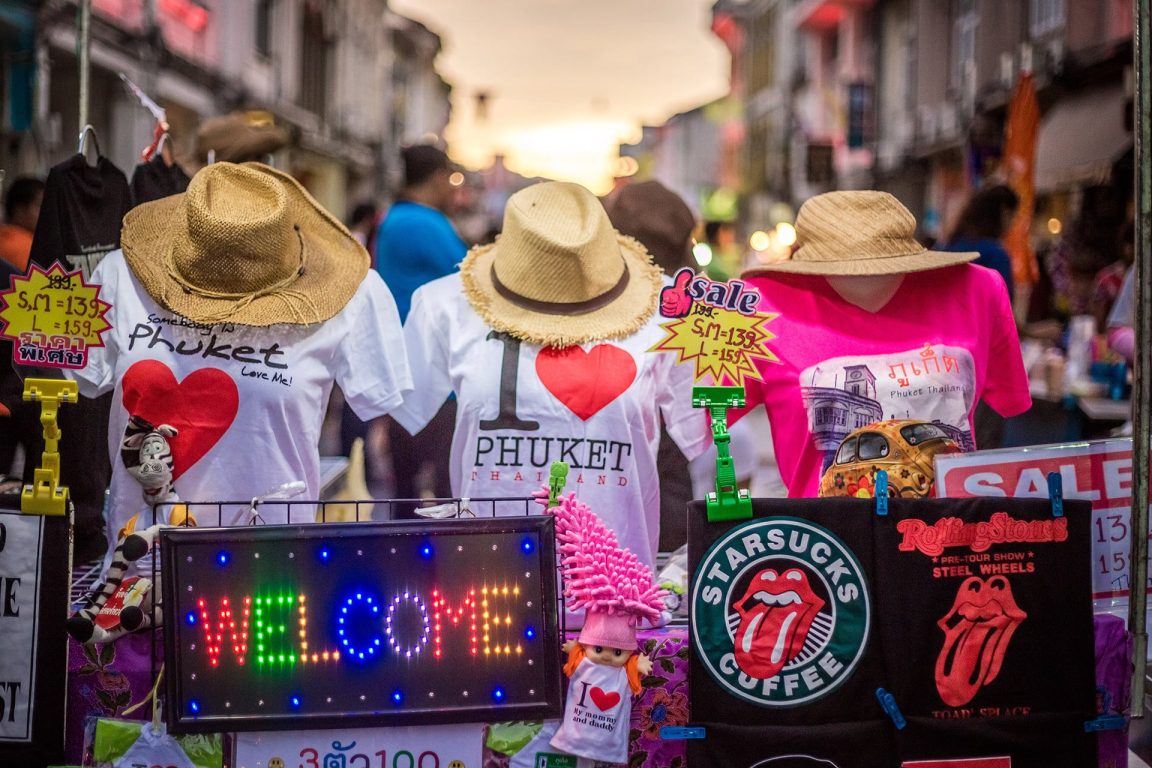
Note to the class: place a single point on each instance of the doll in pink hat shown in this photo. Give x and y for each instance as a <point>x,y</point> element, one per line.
<point>604,666</point>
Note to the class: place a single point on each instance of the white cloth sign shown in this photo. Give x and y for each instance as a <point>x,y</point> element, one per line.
<point>21,541</point>
<point>247,402</point>
<point>1099,471</point>
<point>419,747</point>
<point>596,406</point>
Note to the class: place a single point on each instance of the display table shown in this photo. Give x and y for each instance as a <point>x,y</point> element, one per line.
<point>103,681</point>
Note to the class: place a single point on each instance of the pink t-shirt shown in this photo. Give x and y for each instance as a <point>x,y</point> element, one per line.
<point>945,340</point>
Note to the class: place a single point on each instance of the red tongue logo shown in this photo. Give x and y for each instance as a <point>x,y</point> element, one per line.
<point>776,613</point>
<point>604,700</point>
<point>977,631</point>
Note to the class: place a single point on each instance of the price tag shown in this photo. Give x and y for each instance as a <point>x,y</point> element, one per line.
<point>53,316</point>
<point>716,326</point>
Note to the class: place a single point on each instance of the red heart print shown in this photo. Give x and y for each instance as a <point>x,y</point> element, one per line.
<point>586,381</point>
<point>603,699</point>
<point>202,407</point>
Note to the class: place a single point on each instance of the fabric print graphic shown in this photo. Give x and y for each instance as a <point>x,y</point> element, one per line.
<point>977,631</point>
<point>200,408</point>
<point>781,612</point>
<point>586,382</point>
<point>776,613</point>
<point>935,383</point>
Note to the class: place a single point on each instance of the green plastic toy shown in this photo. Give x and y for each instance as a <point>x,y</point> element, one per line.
<point>557,478</point>
<point>726,502</point>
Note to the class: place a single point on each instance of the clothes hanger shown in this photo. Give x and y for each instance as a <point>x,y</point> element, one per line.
<point>88,132</point>
<point>162,145</point>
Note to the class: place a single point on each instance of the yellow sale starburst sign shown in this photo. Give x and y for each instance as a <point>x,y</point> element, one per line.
<point>53,316</point>
<point>716,327</point>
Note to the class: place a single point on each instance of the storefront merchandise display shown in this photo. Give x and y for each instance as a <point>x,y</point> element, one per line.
<point>870,327</point>
<point>544,338</point>
<point>236,348</point>
<point>962,615</point>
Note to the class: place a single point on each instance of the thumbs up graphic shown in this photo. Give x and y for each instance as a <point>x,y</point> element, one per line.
<point>674,300</point>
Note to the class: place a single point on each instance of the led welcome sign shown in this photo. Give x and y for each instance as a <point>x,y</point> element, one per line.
<point>375,624</point>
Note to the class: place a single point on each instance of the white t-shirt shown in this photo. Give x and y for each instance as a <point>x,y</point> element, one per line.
<point>520,407</point>
<point>248,402</point>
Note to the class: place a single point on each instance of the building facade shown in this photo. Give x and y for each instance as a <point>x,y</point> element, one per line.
<point>339,74</point>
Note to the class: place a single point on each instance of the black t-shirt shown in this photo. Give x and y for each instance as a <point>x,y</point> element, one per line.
<point>80,219</point>
<point>156,179</point>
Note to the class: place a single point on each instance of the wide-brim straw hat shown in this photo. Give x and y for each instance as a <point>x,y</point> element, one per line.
<point>859,233</point>
<point>240,136</point>
<point>244,244</point>
<point>559,275</point>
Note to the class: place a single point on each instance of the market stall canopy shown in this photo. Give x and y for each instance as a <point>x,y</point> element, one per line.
<point>1080,138</point>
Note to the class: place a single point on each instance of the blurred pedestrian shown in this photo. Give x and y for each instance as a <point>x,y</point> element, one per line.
<point>1109,280</point>
<point>981,227</point>
<point>416,244</point>
<point>663,223</point>
<point>362,224</point>
<point>21,211</point>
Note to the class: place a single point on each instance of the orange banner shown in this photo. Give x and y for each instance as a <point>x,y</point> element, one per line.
<point>1020,135</point>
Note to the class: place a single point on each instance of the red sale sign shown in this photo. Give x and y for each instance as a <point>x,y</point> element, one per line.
<point>1098,471</point>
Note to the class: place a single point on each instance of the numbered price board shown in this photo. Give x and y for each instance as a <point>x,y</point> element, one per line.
<point>1099,471</point>
<point>53,317</point>
<point>438,746</point>
<point>279,627</point>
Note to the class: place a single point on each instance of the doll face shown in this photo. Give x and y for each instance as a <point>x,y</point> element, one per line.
<point>602,654</point>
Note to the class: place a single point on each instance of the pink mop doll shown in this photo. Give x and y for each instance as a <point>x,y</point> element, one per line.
<point>616,591</point>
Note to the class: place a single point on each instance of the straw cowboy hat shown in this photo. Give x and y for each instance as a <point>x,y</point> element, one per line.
<point>240,136</point>
<point>858,233</point>
<point>559,274</point>
<point>245,244</point>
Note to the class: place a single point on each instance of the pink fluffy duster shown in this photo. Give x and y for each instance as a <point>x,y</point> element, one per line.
<point>599,575</point>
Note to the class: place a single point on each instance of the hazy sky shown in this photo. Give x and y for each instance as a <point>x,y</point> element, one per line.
<point>569,79</point>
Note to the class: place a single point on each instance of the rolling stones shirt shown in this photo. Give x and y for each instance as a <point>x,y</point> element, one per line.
<point>247,403</point>
<point>596,406</point>
<point>944,341</point>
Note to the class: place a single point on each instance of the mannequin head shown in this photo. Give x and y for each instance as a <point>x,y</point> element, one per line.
<point>869,292</point>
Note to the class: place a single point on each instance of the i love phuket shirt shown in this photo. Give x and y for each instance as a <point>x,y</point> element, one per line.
<point>596,406</point>
<point>247,402</point>
<point>945,340</point>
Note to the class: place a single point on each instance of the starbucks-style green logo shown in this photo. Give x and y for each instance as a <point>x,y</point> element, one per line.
<point>780,612</point>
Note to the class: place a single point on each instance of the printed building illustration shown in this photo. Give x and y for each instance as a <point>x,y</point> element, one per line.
<point>835,411</point>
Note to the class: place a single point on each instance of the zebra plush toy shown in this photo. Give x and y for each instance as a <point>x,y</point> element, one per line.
<point>147,456</point>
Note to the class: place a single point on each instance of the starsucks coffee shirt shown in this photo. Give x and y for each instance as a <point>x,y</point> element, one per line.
<point>247,402</point>
<point>596,406</point>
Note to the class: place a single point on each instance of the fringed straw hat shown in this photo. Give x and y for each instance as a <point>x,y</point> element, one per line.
<point>559,274</point>
<point>245,244</point>
<point>859,233</point>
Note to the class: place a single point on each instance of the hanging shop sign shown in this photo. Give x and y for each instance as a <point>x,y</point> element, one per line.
<point>1099,472</point>
<point>52,317</point>
<point>281,627</point>
<point>33,586</point>
<point>934,633</point>
<point>440,746</point>
<point>716,326</point>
